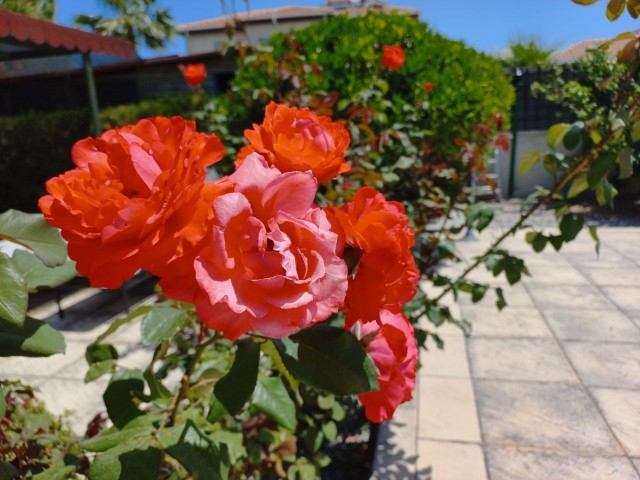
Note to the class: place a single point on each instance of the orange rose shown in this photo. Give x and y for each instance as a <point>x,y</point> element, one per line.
<point>297,140</point>
<point>137,199</point>
<point>391,344</point>
<point>193,73</point>
<point>392,57</point>
<point>376,244</point>
<point>270,260</point>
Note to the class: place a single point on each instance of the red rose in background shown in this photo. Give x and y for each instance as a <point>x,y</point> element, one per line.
<point>392,57</point>
<point>428,87</point>
<point>502,141</point>
<point>391,344</point>
<point>137,199</point>
<point>193,73</point>
<point>297,140</point>
<point>270,263</point>
<point>376,243</point>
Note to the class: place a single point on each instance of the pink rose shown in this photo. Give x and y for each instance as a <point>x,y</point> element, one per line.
<point>271,262</point>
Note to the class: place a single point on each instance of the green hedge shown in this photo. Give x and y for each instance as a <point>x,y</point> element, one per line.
<point>36,146</point>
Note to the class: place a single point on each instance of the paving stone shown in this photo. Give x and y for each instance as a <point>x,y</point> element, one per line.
<point>531,359</point>
<point>509,322</point>
<point>606,364</point>
<point>596,325</point>
<point>450,461</point>
<point>18,367</point>
<point>606,276</point>
<point>396,454</point>
<point>626,298</point>
<point>447,410</point>
<point>608,258</point>
<point>511,464</point>
<point>83,399</point>
<point>449,362</point>
<point>551,295</point>
<point>621,409</point>
<point>552,417</point>
<point>558,274</point>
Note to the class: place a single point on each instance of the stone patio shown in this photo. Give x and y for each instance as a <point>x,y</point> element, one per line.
<point>549,388</point>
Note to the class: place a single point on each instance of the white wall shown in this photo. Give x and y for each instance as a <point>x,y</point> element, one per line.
<point>527,141</point>
<point>214,41</point>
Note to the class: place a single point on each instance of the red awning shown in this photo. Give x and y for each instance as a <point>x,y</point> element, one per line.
<point>51,36</point>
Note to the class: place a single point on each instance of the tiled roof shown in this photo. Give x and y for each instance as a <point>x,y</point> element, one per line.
<point>289,13</point>
<point>580,49</point>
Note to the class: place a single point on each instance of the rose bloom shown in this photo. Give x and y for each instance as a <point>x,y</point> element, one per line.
<point>391,344</point>
<point>428,87</point>
<point>270,263</point>
<point>137,199</point>
<point>376,243</point>
<point>296,140</point>
<point>392,57</point>
<point>193,73</point>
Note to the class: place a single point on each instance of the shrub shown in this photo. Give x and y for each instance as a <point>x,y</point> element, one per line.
<point>36,146</point>
<point>417,132</point>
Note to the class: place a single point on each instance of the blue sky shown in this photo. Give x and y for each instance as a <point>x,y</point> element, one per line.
<point>486,25</point>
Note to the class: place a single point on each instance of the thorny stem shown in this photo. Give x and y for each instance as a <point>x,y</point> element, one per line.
<point>186,378</point>
<point>570,175</point>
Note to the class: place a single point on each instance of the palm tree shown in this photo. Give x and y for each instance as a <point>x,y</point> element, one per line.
<point>133,20</point>
<point>528,51</point>
<point>45,9</point>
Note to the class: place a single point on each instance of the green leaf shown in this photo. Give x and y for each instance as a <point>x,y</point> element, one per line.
<point>556,134</point>
<point>571,139</point>
<point>98,352</point>
<point>594,235</point>
<point>98,369</point>
<point>269,349</point>
<point>530,159</point>
<point>107,439</point>
<point>37,274</point>
<point>513,269</point>
<point>478,291</point>
<point>635,131</point>
<point>312,438</point>
<point>7,471</point>
<point>120,321</point>
<point>234,442</point>
<point>120,396</point>
<point>329,430</point>
<point>579,185</point>
<point>585,2</point>
<point>136,459</point>
<point>57,471</point>
<point>500,302</point>
<point>328,358</point>
<point>3,404</point>
<point>272,398</point>
<point>35,339</point>
<point>161,323</point>
<point>615,9</point>
<point>599,170</point>
<point>203,458</point>
<point>570,226</point>
<point>605,193</point>
<point>236,387</point>
<point>216,410</point>
<point>539,243</point>
<point>14,295</point>
<point>556,241</point>
<point>31,231</point>
<point>626,165</point>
